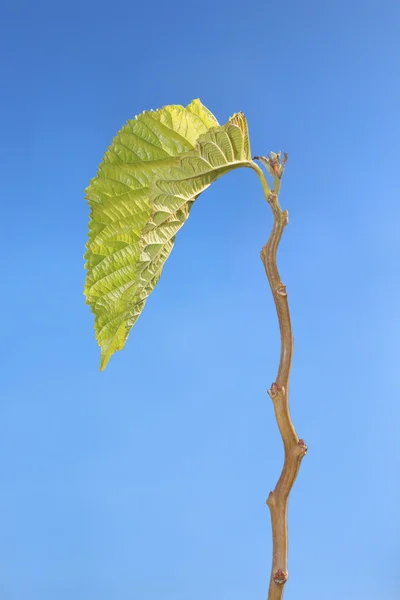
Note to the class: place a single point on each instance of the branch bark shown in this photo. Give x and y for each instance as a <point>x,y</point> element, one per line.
<point>294,448</point>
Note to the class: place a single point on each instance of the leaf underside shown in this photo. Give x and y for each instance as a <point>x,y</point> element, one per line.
<point>157,165</point>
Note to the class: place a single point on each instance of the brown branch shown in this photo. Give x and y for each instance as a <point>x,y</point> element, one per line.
<point>294,447</point>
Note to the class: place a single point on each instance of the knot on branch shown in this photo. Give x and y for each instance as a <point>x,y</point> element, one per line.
<point>280,577</point>
<point>275,389</point>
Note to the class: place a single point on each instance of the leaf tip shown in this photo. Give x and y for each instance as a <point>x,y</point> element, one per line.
<point>104,358</point>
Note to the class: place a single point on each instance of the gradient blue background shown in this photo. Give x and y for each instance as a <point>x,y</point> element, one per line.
<point>149,480</point>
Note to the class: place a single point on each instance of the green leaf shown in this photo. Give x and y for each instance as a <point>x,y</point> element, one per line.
<point>156,167</point>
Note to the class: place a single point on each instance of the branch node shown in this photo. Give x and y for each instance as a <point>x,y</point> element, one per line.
<point>275,389</point>
<point>301,443</point>
<point>280,577</point>
<point>281,290</point>
<point>271,500</point>
<point>263,251</point>
<point>272,198</point>
<point>286,217</point>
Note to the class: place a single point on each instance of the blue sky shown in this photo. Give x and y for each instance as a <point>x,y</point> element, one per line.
<point>149,480</point>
